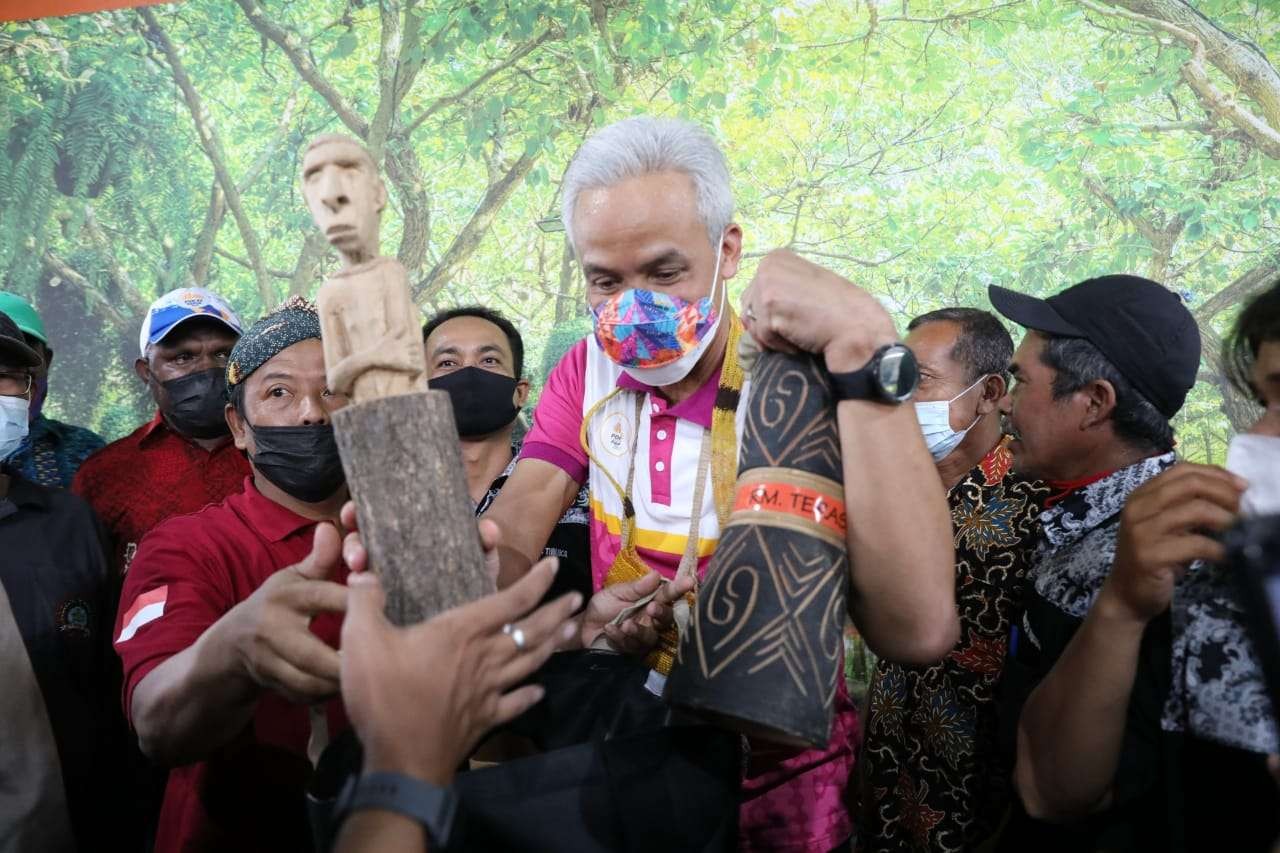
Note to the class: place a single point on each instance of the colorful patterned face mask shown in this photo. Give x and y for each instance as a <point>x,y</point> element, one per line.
<point>656,337</point>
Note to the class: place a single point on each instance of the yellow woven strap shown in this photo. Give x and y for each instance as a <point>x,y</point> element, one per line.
<point>724,433</point>
<point>663,658</point>
<point>626,567</point>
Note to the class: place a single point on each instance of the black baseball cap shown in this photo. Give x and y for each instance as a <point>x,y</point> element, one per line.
<point>14,351</point>
<point>1142,327</point>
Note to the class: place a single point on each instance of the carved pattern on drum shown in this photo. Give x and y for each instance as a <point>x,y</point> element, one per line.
<point>813,445</point>
<point>802,588</point>
<point>767,633</point>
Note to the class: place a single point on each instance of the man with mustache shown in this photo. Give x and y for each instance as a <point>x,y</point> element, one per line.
<point>1160,697</point>
<point>1102,370</point>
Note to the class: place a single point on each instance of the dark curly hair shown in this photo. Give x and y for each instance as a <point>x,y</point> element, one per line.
<point>1258,323</point>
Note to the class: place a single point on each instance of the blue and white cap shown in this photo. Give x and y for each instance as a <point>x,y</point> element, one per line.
<point>177,306</point>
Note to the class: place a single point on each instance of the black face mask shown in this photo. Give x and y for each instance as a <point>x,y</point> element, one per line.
<point>197,403</point>
<point>482,400</point>
<point>302,460</point>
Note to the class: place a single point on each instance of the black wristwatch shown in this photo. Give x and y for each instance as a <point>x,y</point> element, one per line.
<point>430,806</point>
<point>891,376</point>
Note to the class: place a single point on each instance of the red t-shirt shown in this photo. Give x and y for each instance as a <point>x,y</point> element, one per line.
<point>246,795</point>
<point>152,474</point>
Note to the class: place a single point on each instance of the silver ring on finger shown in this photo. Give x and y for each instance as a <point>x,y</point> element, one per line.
<point>516,635</point>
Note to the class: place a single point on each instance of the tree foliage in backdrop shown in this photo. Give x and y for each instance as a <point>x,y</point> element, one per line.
<point>922,148</point>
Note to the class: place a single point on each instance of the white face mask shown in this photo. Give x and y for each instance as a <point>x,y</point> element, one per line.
<point>1257,459</point>
<point>13,424</point>
<point>935,423</point>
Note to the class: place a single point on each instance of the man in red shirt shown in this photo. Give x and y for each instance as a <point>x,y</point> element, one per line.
<point>230,616</point>
<point>182,459</point>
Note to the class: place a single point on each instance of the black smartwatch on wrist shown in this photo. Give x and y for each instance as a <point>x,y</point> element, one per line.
<point>891,376</point>
<point>433,807</point>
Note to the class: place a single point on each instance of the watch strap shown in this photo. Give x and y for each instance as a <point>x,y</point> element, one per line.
<point>868,383</point>
<point>433,807</point>
<point>856,384</point>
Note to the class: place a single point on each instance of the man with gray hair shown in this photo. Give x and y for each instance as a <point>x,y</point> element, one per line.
<point>649,412</point>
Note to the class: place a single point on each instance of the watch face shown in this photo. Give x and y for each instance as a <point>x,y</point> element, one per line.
<point>897,372</point>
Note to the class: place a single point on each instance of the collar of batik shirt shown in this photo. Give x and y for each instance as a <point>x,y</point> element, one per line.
<point>1071,518</point>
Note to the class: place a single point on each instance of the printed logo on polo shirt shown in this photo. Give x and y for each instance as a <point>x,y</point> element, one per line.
<point>146,608</point>
<point>615,434</point>
<point>73,617</point>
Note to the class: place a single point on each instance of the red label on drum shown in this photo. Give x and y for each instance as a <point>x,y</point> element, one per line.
<point>793,500</point>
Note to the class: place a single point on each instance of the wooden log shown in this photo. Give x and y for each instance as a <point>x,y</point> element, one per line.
<point>405,473</point>
<point>765,647</point>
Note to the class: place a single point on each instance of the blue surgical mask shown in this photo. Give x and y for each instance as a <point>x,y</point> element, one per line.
<point>13,424</point>
<point>935,423</point>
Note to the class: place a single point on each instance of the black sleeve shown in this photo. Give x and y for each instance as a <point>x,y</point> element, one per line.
<point>1138,817</point>
<point>104,795</point>
<point>1036,641</point>
<point>1141,767</point>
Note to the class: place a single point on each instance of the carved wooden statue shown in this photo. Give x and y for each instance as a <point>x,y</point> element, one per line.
<point>372,340</point>
<point>398,440</point>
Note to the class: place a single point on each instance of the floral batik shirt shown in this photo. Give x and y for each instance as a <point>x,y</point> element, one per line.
<point>934,778</point>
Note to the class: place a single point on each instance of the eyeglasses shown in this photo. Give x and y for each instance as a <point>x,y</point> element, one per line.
<point>15,384</point>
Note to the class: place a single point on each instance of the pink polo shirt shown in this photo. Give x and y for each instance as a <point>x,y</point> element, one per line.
<point>793,801</point>
<point>666,457</point>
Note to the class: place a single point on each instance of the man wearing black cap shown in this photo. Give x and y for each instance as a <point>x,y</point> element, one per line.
<point>1102,369</point>
<point>1158,705</point>
<point>62,737</point>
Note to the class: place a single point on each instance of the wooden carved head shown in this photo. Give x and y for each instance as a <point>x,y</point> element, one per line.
<point>345,195</point>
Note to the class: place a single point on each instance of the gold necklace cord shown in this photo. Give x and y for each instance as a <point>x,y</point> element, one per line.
<point>586,445</point>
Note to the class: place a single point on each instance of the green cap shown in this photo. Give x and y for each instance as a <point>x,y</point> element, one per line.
<point>21,312</point>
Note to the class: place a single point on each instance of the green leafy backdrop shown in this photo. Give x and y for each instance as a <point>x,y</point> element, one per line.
<point>922,148</point>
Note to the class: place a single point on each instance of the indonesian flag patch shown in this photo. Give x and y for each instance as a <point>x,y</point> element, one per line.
<point>147,607</point>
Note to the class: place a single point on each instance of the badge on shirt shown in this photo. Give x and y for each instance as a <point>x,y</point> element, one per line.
<point>615,434</point>
<point>73,617</point>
